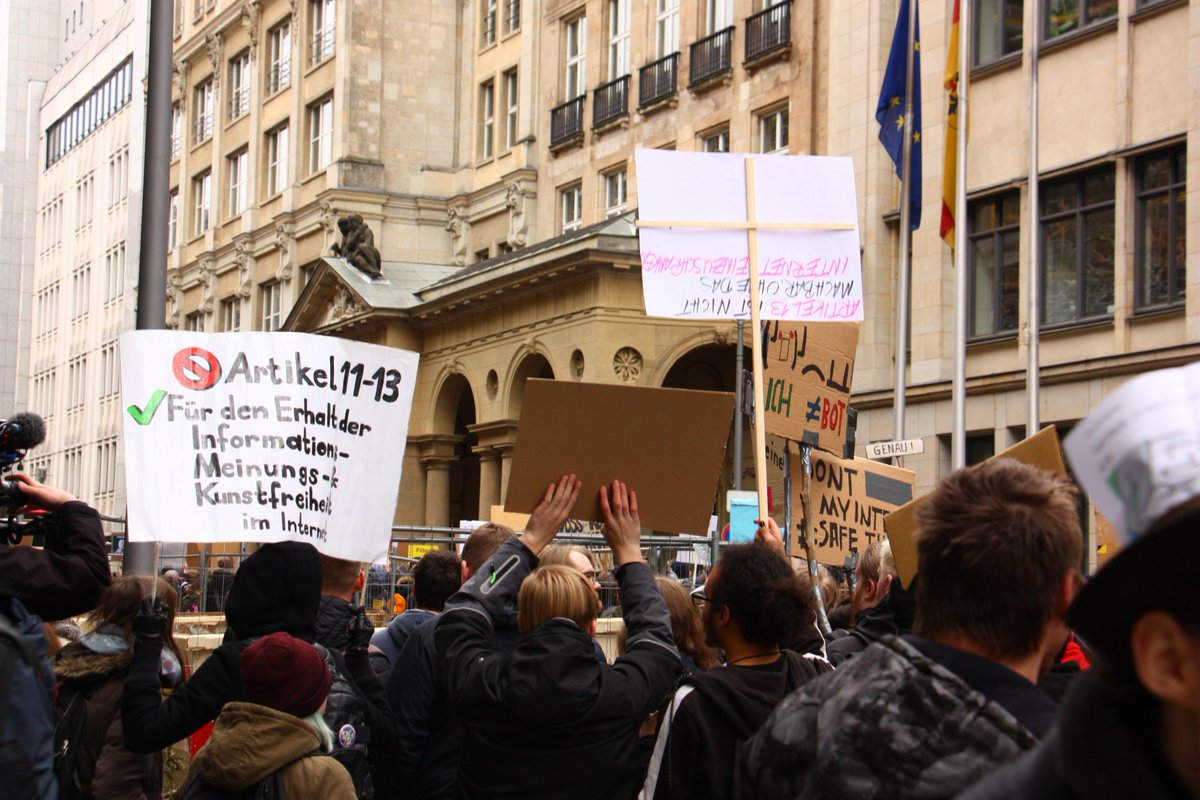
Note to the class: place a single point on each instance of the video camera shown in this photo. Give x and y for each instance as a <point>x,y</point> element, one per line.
<point>18,434</point>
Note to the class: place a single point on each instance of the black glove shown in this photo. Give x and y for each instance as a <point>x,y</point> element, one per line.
<point>360,631</point>
<point>150,624</point>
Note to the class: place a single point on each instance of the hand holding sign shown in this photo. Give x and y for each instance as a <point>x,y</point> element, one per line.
<point>622,527</point>
<point>548,518</point>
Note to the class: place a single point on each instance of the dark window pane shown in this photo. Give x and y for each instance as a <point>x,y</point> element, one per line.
<point>1101,9</point>
<point>1062,16</point>
<point>983,317</point>
<point>1061,276</point>
<point>1010,280</point>
<point>1156,246</point>
<point>1011,212</point>
<point>987,31</point>
<point>1098,263</point>
<point>980,447</point>
<point>1180,244</point>
<point>1181,163</point>
<point>1014,25</point>
<point>1099,187</point>
<point>1060,197</point>
<point>1156,173</point>
<point>983,217</point>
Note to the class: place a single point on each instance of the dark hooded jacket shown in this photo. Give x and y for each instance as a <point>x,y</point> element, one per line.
<point>276,589</point>
<point>892,722</point>
<point>1105,745</point>
<point>357,702</point>
<point>547,719</point>
<point>870,625</point>
<point>711,714</point>
<point>103,767</point>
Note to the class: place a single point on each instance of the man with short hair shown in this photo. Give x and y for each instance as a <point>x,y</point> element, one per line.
<point>219,581</point>
<point>437,575</point>
<point>357,709</point>
<point>753,606</point>
<point>926,715</point>
<point>1130,726</point>
<point>870,605</point>
<point>428,734</point>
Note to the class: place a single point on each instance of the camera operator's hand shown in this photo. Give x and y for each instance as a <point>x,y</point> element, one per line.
<point>150,624</point>
<point>548,518</point>
<point>360,631</point>
<point>622,527</point>
<point>38,496</point>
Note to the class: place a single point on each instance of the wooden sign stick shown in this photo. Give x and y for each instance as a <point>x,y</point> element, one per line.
<point>760,417</point>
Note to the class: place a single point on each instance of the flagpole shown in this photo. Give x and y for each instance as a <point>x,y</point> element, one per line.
<point>958,439</point>
<point>902,280</point>
<point>1032,374</point>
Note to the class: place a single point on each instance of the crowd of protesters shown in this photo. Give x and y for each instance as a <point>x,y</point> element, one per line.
<point>992,674</point>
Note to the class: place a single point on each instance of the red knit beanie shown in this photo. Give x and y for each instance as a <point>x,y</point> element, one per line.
<point>285,673</point>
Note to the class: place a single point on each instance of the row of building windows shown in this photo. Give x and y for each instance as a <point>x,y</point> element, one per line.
<point>238,172</point>
<point>999,24</point>
<point>495,14</point>
<point>322,35</point>
<point>71,478</point>
<point>229,316</point>
<point>772,138</point>
<point>1077,230</point>
<point>52,224</point>
<point>104,100</point>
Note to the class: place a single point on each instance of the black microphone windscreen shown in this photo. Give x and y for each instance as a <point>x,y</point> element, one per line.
<point>24,430</point>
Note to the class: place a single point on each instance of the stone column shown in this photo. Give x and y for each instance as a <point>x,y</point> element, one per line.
<point>489,480</point>
<point>437,491</point>
<point>505,451</point>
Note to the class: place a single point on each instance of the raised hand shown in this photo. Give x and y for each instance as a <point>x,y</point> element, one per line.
<point>768,533</point>
<point>622,528</point>
<point>548,518</point>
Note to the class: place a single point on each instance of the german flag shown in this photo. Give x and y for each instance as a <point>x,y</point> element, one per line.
<point>950,165</point>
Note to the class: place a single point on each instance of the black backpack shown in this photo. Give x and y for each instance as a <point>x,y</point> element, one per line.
<point>67,734</point>
<point>346,715</point>
<point>269,788</point>
<point>25,702</point>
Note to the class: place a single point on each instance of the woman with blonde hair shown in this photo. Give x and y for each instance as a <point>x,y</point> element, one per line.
<point>548,702</point>
<point>92,673</point>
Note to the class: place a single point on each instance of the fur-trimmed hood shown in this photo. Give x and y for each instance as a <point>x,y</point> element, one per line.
<point>76,662</point>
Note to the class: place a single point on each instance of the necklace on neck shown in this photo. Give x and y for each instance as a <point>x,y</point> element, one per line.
<point>752,655</point>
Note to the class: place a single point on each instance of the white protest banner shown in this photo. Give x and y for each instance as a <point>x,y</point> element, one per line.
<point>264,437</point>
<point>693,219</point>
<point>1138,453</point>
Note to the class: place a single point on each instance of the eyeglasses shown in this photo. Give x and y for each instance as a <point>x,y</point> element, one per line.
<point>699,598</point>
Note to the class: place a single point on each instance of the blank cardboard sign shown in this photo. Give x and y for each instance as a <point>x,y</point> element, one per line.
<point>667,445</point>
<point>1040,450</point>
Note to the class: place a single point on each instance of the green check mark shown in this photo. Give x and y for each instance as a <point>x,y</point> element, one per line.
<point>143,416</point>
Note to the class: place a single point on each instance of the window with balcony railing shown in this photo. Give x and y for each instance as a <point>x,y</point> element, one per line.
<point>322,15</point>
<point>279,58</point>
<point>566,121</point>
<point>610,101</point>
<point>769,30</point>
<point>512,15</point>
<point>711,56</point>
<point>202,108</point>
<point>658,80</point>
<point>239,86</point>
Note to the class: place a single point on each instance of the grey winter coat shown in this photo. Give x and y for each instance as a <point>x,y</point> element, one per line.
<point>890,723</point>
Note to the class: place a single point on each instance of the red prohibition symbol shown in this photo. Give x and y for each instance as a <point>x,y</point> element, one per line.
<point>196,368</point>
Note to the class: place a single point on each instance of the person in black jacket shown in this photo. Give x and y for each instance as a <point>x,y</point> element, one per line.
<point>277,589</point>
<point>63,578</point>
<point>427,735</point>
<point>357,709</point>
<point>547,719</point>
<point>752,606</point>
<point>871,606</point>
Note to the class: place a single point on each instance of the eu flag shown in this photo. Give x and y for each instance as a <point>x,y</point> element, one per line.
<point>893,127</point>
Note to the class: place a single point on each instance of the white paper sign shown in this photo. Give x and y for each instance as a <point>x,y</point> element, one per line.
<point>704,273</point>
<point>1138,453</point>
<point>264,437</point>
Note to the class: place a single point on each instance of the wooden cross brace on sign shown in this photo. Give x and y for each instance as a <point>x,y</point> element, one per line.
<point>752,226</point>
